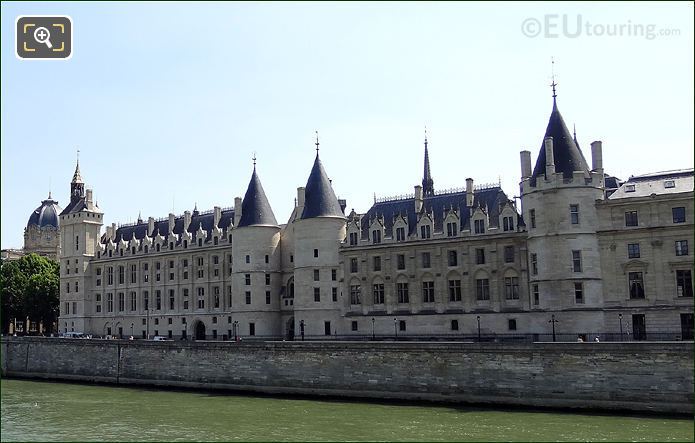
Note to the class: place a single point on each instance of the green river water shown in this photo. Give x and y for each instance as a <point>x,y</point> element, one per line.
<point>33,410</point>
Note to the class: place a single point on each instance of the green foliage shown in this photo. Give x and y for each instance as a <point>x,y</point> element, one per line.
<point>29,287</point>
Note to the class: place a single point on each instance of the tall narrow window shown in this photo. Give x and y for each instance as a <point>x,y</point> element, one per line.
<point>509,254</point>
<point>426,260</point>
<point>353,238</point>
<point>636,284</point>
<point>400,234</point>
<point>402,290</point>
<point>376,236</point>
<point>452,257</point>
<point>482,289</point>
<point>353,265</point>
<point>378,292</point>
<point>536,295</point>
<point>172,299</point>
<point>532,215</point>
<point>480,256</point>
<point>508,223</point>
<point>534,264</point>
<point>631,218</point>
<point>578,292</point>
<point>684,283</point>
<point>425,231</point>
<point>400,261</point>
<point>428,292</point>
<point>511,288</point>
<point>377,263</point>
<point>77,243</point>
<point>574,214</point>
<point>577,261</point>
<point>479,226</point>
<point>454,290</point>
<point>451,229</point>
<point>355,294</point>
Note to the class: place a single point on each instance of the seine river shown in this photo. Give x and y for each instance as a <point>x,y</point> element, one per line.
<point>47,411</point>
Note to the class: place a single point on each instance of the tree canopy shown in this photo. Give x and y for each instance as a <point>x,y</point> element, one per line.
<point>29,288</point>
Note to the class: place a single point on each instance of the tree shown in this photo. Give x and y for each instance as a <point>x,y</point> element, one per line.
<point>29,287</point>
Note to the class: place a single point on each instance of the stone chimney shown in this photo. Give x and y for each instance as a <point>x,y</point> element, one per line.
<point>172,220</point>
<point>300,201</point>
<point>597,156</point>
<point>216,217</point>
<point>109,233</point>
<point>89,199</point>
<point>150,226</point>
<point>419,200</point>
<point>237,210</point>
<point>186,220</point>
<point>525,164</point>
<point>470,192</point>
<point>549,157</point>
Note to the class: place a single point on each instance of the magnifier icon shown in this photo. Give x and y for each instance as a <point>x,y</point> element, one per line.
<point>42,35</point>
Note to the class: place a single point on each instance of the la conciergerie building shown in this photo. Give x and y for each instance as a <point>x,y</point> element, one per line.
<point>586,253</point>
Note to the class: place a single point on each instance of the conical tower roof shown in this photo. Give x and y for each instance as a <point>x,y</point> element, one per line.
<point>567,155</point>
<point>319,198</point>
<point>255,209</point>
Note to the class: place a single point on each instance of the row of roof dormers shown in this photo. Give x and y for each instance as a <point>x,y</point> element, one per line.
<point>658,183</point>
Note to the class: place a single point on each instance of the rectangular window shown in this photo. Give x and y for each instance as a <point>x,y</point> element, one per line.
<point>480,256</point>
<point>402,290</point>
<point>317,294</point>
<point>511,324</point>
<point>511,288</point>
<point>354,294</point>
<point>377,263</point>
<point>172,299</point>
<point>267,259</point>
<point>267,297</point>
<point>454,290</point>
<point>158,299</point>
<point>248,297</point>
<point>633,250</point>
<point>316,275</point>
<point>334,274</point>
<point>401,325</point>
<point>536,295</point>
<point>687,325</point>
<point>327,328</point>
<point>425,231</point>
<point>400,234</point>
<point>110,275</point>
<point>534,264</point>
<point>77,243</point>
<point>109,302</point>
<point>133,273</point>
<point>577,261</point>
<point>353,238</point>
<point>216,260</point>
<point>252,329</point>
<point>636,285</point>
<point>133,301</point>
<point>684,283</point>
<point>171,276</point>
<point>451,229</point>
<point>681,247</point>
<point>508,223</point>
<point>509,254</point>
<point>400,261</point>
<point>631,218</point>
<point>428,292</point>
<point>334,294</point>
<point>121,275</point>
<point>267,279</point>
<point>574,214</point>
<point>532,215</point>
<point>247,279</point>
<point>579,293</point>
<point>353,265</point>
<point>452,258</point>
<point>376,236</point>
<point>482,289</point>
<point>121,302</point>
<point>479,226</point>
<point>316,253</point>
<point>378,291</point>
<point>426,260</point>
<point>201,303</point>
<point>678,214</point>
<point>454,325</point>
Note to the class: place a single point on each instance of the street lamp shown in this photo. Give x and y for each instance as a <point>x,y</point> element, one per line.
<point>620,318</point>
<point>553,321</point>
<point>478,318</point>
<point>395,327</point>
<point>373,335</point>
<point>301,328</point>
<point>131,330</point>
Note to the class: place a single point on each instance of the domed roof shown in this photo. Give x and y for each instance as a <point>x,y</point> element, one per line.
<point>46,214</point>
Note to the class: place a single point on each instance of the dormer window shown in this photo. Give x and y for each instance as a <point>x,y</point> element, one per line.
<point>451,229</point>
<point>508,223</point>
<point>353,238</point>
<point>629,188</point>
<point>669,184</point>
<point>479,226</point>
<point>376,236</point>
<point>400,234</point>
<point>425,231</point>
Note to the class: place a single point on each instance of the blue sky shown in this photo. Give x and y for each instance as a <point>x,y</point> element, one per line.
<point>168,101</point>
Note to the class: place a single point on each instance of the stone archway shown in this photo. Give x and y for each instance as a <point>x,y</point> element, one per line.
<point>199,330</point>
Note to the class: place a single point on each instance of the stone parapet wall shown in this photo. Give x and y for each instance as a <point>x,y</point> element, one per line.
<point>639,376</point>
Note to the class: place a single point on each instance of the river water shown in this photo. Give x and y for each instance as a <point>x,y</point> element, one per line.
<point>48,411</point>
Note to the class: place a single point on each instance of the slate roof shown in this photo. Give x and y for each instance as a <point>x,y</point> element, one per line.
<point>567,155</point>
<point>491,198</point>
<point>255,209</point>
<point>319,198</point>
<point>205,219</point>
<point>655,183</point>
<point>46,214</point>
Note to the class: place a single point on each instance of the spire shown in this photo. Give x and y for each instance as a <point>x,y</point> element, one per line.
<point>427,182</point>
<point>77,178</point>
<point>319,198</point>
<point>255,209</point>
<point>77,185</point>
<point>553,84</point>
<point>139,217</point>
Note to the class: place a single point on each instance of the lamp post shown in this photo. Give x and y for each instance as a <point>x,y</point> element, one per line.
<point>373,334</point>
<point>553,321</point>
<point>147,321</point>
<point>395,327</point>
<point>620,319</point>
<point>301,329</point>
<point>131,330</point>
<point>478,318</point>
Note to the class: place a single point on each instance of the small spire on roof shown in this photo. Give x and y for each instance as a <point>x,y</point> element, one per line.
<point>139,216</point>
<point>553,84</point>
<point>317,143</point>
<point>254,160</point>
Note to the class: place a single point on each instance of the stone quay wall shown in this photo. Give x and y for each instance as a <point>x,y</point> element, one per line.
<point>637,376</point>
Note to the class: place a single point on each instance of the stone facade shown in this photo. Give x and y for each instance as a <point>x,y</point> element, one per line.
<point>453,262</point>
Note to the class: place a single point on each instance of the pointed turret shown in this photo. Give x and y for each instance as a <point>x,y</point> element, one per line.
<point>427,182</point>
<point>255,209</point>
<point>320,200</point>
<point>567,157</point>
